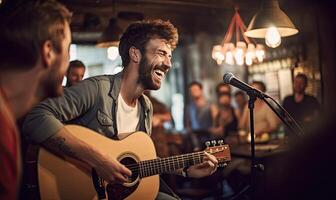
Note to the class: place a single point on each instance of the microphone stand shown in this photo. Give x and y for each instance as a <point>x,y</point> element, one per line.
<point>254,166</point>
<point>285,117</point>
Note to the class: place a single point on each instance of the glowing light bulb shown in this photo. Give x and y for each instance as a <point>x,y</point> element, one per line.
<point>239,56</point>
<point>220,56</point>
<point>112,53</point>
<point>260,52</point>
<point>229,58</point>
<point>217,54</point>
<point>219,62</point>
<point>215,50</point>
<point>272,37</point>
<point>249,58</point>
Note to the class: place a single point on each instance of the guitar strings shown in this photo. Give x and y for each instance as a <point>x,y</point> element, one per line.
<point>156,165</point>
<point>171,160</point>
<point>152,165</point>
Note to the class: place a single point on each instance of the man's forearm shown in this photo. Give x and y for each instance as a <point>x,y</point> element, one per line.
<point>58,144</point>
<point>81,147</point>
<point>64,143</point>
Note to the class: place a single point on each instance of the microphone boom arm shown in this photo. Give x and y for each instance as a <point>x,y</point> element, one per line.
<point>284,116</point>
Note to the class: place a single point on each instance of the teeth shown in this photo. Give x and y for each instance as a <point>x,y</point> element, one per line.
<point>159,72</point>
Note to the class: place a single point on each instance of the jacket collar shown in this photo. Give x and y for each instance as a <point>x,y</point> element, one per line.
<point>115,90</point>
<point>116,85</point>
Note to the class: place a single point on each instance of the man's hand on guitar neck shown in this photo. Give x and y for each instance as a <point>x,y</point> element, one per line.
<point>65,143</point>
<point>206,168</point>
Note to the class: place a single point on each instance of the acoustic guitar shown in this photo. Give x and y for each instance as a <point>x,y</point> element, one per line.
<point>66,178</point>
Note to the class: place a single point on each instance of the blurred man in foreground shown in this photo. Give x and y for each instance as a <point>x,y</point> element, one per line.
<point>34,57</point>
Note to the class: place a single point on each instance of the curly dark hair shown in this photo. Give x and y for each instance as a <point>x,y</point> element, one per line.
<point>25,26</point>
<point>139,33</point>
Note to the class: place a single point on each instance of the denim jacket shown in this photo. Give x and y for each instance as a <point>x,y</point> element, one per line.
<point>92,103</point>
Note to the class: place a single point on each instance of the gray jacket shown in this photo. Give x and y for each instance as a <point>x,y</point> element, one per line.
<point>91,103</point>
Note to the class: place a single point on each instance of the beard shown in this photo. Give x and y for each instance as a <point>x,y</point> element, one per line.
<point>146,75</point>
<point>53,84</point>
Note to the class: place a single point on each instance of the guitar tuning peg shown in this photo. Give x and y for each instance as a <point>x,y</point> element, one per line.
<point>213,142</point>
<point>220,142</point>
<point>207,143</point>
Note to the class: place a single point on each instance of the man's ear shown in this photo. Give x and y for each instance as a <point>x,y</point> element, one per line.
<point>47,53</point>
<point>134,54</point>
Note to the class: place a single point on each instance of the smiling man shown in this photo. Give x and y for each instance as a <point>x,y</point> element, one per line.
<point>75,73</point>
<point>113,105</point>
<point>34,57</point>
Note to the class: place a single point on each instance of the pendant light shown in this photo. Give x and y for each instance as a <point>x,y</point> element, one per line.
<point>271,23</point>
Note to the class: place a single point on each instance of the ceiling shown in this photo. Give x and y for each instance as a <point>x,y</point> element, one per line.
<point>90,17</point>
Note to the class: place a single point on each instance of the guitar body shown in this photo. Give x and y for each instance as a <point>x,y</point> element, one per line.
<point>64,178</point>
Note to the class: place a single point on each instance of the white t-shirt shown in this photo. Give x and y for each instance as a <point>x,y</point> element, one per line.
<point>127,117</point>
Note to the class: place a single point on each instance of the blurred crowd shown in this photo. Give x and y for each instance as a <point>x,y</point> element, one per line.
<point>227,116</point>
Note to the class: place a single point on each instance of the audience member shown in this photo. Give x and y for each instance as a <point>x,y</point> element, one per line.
<point>265,120</point>
<point>226,122</point>
<point>75,72</point>
<point>34,56</point>
<point>302,107</point>
<point>200,114</point>
<point>240,99</point>
<point>223,88</point>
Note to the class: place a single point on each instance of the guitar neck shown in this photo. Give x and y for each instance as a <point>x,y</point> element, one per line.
<point>169,164</point>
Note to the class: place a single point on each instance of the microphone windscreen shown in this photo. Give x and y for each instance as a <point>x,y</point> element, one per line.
<point>227,78</point>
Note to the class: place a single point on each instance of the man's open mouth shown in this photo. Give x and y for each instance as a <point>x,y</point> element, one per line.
<point>159,73</point>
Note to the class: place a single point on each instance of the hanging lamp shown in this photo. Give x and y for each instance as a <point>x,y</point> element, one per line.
<point>271,23</point>
<point>240,50</point>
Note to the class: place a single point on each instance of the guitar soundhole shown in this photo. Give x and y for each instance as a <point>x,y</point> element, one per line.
<point>118,191</point>
<point>132,165</point>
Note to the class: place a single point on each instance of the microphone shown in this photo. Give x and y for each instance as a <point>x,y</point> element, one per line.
<point>229,78</point>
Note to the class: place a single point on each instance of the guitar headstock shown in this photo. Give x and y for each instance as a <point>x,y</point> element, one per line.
<point>220,150</point>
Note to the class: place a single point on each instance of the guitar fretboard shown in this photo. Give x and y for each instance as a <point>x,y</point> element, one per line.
<point>169,164</point>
